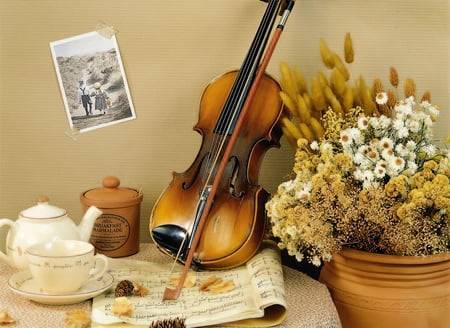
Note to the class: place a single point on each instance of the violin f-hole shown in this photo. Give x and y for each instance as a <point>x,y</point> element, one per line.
<point>234,162</point>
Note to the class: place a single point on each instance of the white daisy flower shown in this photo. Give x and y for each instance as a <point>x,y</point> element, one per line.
<point>387,154</point>
<point>398,124</point>
<point>346,138</point>
<point>299,256</point>
<point>410,100</point>
<point>403,132</point>
<point>403,107</point>
<point>401,150</point>
<point>434,110</point>
<point>358,158</point>
<point>314,145</point>
<point>381,98</point>
<point>384,122</point>
<point>325,147</point>
<point>358,174</point>
<point>287,185</point>
<point>370,184</point>
<point>397,163</point>
<point>368,175</point>
<point>412,167</point>
<point>411,145</point>
<point>380,170</point>
<point>363,123</point>
<point>385,143</point>
<point>429,149</point>
<point>315,261</point>
<point>413,125</point>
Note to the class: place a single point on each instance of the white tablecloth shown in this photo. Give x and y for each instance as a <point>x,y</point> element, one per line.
<point>309,302</point>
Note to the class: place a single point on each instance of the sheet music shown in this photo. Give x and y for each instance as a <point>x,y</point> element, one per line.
<point>258,284</point>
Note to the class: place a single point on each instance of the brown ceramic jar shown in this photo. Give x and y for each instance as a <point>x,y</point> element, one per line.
<point>116,231</point>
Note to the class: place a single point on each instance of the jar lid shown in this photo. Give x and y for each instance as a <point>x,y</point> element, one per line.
<point>43,210</point>
<point>111,195</point>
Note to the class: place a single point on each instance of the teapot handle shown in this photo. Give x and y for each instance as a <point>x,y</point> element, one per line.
<point>10,223</point>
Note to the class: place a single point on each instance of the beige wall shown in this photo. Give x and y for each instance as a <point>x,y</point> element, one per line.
<point>170,50</point>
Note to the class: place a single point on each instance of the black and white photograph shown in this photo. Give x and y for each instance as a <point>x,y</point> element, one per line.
<point>92,80</point>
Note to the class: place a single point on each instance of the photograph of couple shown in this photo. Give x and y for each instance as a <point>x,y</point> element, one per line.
<point>92,81</point>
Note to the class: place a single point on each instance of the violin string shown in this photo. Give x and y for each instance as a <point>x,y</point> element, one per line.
<point>247,73</point>
<point>239,91</point>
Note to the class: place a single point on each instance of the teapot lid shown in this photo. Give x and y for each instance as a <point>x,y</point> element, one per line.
<point>43,210</point>
<point>111,195</point>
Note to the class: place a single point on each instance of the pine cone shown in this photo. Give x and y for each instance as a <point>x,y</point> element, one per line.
<point>169,323</point>
<point>124,288</point>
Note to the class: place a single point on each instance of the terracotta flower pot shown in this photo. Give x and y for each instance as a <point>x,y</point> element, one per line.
<point>375,290</point>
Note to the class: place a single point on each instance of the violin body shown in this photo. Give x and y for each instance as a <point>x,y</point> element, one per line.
<point>236,223</point>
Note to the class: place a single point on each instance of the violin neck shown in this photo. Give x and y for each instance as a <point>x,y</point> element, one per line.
<point>244,80</point>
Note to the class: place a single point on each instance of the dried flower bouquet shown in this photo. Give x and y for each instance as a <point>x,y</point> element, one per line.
<point>370,179</point>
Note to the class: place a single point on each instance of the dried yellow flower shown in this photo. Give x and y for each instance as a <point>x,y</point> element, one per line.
<point>327,55</point>
<point>348,99</point>
<point>291,129</point>
<point>393,76</point>
<point>392,100</point>
<point>300,80</point>
<point>410,88</point>
<point>306,132</point>
<point>317,128</point>
<point>323,80</point>
<point>303,110</point>
<point>337,82</point>
<point>288,102</point>
<point>317,96</point>
<point>426,96</point>
<point>287,80</point>
<point>366,97</point>
<point>377,86</point>
<point>348,49</point>
<point>431,165</point>
<point>341,67</point>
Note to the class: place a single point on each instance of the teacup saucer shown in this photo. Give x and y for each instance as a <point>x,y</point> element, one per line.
<point>22,283</point>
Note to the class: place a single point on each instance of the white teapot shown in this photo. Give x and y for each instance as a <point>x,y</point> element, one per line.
<point>41,223</point>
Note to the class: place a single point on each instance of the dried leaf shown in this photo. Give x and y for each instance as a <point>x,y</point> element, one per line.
<point>217,285</point>
<point>189,282</point>
<point>140,290</point>
<point>78,318</point>
<point>5,318</point>
<point>122,306</point>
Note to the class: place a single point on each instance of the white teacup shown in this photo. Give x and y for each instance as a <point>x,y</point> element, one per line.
<point>63,266</point>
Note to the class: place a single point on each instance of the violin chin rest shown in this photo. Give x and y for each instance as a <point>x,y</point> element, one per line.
<point>170,237</point>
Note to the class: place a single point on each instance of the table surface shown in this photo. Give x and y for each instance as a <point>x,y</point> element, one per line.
<point>308,301</point>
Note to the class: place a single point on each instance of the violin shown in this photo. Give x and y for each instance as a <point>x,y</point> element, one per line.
<point>212,215</point>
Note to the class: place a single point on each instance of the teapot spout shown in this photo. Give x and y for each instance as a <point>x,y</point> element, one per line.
<point>87,223</point>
